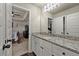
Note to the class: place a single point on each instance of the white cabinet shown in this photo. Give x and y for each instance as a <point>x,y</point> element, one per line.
<point>55,51</point>
<point>59,51</point>
<point>36,48</point>
<point>33,43</point>
<point>41,47</point>
<point>46,48</point>
<point>73,24</point>
<point>65,52</point>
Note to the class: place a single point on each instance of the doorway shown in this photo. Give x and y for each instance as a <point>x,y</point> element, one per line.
<point>20,30</point>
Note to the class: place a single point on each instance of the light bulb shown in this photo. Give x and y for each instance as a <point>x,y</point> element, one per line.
<point>51,6</point>
<point>44,8</point>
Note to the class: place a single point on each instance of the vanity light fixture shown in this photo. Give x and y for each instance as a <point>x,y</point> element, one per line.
<point>50,6</point>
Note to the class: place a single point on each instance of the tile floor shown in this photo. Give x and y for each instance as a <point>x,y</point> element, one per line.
<point>21,48</point>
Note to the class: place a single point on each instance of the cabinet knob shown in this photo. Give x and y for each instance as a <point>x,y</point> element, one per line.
<point>67,33</point>
<point>41,47</point>
<point>64,53</point>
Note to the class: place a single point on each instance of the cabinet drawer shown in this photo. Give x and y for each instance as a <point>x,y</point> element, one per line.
<point>55,51</point>
<point>59,51</point>
<point>46,44</point>
<point>69,53</point>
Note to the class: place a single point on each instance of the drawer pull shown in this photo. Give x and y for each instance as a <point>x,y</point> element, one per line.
<point>67,33</point>
<point>64,53</point>
<point>41,47</point>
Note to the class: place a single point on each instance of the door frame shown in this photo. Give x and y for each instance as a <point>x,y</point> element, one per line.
<point>30,31</point>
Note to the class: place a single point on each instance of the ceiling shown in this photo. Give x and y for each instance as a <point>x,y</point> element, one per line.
<point>19,13</point>
<point>63,6</point>
<point>22,14</point>
<point>41,5</point>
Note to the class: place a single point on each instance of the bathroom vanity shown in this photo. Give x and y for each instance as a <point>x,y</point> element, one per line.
<point>45,45</point>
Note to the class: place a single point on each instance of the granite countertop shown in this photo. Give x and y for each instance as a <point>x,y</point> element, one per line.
<point>61,36</point>
<point>69,42</point>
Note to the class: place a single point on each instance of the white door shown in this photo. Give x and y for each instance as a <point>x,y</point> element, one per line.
<point>2,28</point>
<point>5,29</point>
<point>9,28</point>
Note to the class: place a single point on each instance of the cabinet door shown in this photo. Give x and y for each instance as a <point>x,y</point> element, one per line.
<point>55,51</point>
<point>39,48</point>
<point>57,25</point>
<point>36,48</point>
<point>73,24</point>
<point>33,43</point>
<point>66,52</point>
<point>46,48</point>
<point>59,51</point>
<point>9,27</point>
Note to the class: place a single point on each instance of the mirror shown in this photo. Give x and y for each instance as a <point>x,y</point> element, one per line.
<point>61,23</point>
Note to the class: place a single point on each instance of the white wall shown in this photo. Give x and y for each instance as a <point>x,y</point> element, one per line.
<point>39,19</point>
<point>44,21</point>
<point>35,16</point>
